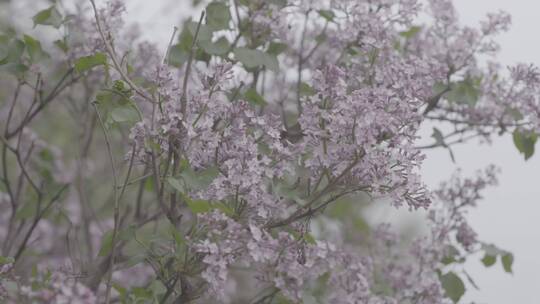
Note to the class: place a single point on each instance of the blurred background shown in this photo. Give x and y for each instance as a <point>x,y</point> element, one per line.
<point>509,214</point>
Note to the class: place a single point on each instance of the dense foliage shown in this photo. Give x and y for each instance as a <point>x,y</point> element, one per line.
<point>235,166</point>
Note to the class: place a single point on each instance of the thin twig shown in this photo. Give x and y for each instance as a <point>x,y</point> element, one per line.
<point>37,218</point>
<point>116,203</point>
<point>167,53</point>
<point>300,212</point>
<point>130,167</point>
<point>300,65</point>
<point>4,151</point>
<point>112,54</point>
<point>183,97</point>
<point>60,86</point>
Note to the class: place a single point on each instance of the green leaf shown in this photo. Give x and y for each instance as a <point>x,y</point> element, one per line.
<point>141,293</point>
<point>196,206</point>
<point>438,136</point>
<point>327,14</point>
<point>220,47</point>
<point>254,98</point>
<point>276,48</point>
<point>199,206</point>
<point>280,3</point>
<point>45,165</point>
<point>192,179</point>
<point>88,62</point>
<point>122,235</point>
<point>306,89</point>
<point>173,182</point>
<point>121,87</point>
<point>488,260</point>
<point>4,46</point>
<point>507,261</point>
<point>360,224</point>
<point>136,259</point>
<point>116,106</point>
<point>515,113</point>
<point>492,249</point>
<point>6,260</point>
<point>126,113</point>
<point>183,165</point>
<point>309,238</point>
<point>450,256</point>
<point>271,62</point>
<point>185,39</point>
<point>34,49</point>
<point>464,92</point>
<point>106,244</point>
<point>27,211</point>
<point>408,34</point>
<point>178,238</point>
<point>254,58</point>
<point>438,88</point>
<point>525,142</point>
<point>453,286</point>
<point>284,189</point>
<point>218,16</point>
<point>50,16</point>
<point>177,55</point>
<point>199,179</point>
<point>61,44</point>
<point>322,37</point>
<point>15,68</point>
<point>13,51</point>
<point>127,233</point>
<point>201,55</point>
<point>205,32</point>
<point>120,289</point>
<point>250,58</point>
<point>223,208</point>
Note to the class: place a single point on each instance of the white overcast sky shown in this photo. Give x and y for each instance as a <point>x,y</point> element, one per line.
<point>508,216</point>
